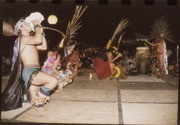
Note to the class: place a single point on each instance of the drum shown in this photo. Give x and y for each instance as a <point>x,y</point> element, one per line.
<point>143,60</point>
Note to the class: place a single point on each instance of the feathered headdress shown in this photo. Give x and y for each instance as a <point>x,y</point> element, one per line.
<point>122,25</point>
<point>74,24</point>
<point>72,27</point>
<point>8,29</point>
<point>161,26</point>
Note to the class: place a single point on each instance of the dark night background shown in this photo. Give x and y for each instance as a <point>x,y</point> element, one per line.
<point>99,21</point>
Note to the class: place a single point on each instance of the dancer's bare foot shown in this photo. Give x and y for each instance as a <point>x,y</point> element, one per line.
<point>39,102</point>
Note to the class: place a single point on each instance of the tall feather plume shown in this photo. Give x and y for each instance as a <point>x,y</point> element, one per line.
<point>161,26</point>
<point>120,38</point>
<point>8,29</point>
<point>122,25</point>
<point>74,24</point>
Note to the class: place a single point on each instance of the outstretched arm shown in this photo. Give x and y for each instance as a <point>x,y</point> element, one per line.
<point>111,59</point>
<point>153,44</point>
<point>118,56</point>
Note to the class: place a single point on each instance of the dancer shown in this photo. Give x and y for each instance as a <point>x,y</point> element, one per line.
<point>57,62</point>
<point>104,66</point>
<point>56,65</point>
<point>37,83</point>
<point>113,54</point>
<point>75,63</point>
<point>161,53</point>
<point>160,33</point>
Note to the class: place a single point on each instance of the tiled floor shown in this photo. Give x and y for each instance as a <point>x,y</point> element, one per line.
<point>13,113</point>
<point>74,112</point>
<point>141,78</point>
<point>149,113</point>
<point>149,96</point>
<point>136,100</point>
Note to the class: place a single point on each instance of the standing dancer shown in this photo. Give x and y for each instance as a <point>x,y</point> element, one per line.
<point>161,53</point>
<point>160,32</point>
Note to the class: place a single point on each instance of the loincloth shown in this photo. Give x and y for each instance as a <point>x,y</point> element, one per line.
<point>27,74</point>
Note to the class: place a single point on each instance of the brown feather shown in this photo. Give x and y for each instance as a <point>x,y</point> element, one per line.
<point>7,29</point>
<point>74,23</point>
<point>122,25</point>
<point>120,38</point>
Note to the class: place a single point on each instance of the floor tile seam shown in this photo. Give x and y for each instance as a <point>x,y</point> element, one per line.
<point>87,80</point>
<point>17,122</point>
<point>92,81</point>
<point>176,84</point>
<point>90,89</point>
<point>151,89</point>
<point>151,102</point>
<point>120,112</point>
<point>143,81</point>
<point>56,123</point>
<point>84,101</point>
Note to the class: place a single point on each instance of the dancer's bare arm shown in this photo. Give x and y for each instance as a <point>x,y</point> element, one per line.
<point>55,65</point>
<point>110,56</point>
<point>118,56</point>
<point>37,38</point>
<point>155,44</point>
<point>43,46</point>
<point>111,59</point>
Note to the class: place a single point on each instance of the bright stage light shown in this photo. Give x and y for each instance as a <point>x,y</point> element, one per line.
<point>52,19</point>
